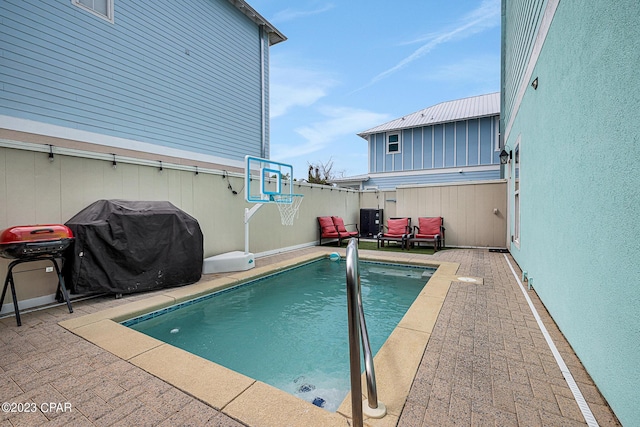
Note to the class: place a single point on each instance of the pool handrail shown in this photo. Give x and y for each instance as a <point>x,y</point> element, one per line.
<point>358,329</point>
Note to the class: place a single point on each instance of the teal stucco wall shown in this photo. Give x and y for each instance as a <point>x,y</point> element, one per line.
<point>580,189</point>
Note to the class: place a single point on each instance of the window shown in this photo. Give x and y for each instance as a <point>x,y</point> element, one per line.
<point>101,8</point>
<point>393,143</point>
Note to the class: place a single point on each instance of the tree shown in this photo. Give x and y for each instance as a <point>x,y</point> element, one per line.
<point>321,173</point>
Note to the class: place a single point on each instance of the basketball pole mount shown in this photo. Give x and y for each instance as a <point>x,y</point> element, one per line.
<point>248,213</point>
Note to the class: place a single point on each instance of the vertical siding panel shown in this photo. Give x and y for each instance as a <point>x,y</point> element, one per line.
<point>388,158</point>
<point>407,149</point>
<point>372,153</point>
<point>449,144</point>
<point>486,144</point>
<point>438,146</point>
<point>417,148</point>
<point>496,141</point>
<point>427,154</point>
<point>380,152</point>
<point>473,143</point>
<point>461,144</point>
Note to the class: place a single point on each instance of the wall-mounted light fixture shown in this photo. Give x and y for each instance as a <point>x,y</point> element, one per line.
<point>534,84</point>
<point>50,153</point>
<point>114,164</point>
<point>504,157</point>
<point>160,170</point>
<point>196,170</point>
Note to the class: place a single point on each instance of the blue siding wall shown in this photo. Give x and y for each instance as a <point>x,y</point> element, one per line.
<point>392,181</point>
<point>184,75</point>
<point>388,161</point>
<point>461,143</point>
<point>472,152</point>
<point>417,148</point>
<point>407,148</point>
<point>438,148</point>
<point>380,150</point>
<point>486,141</point>
<point>427,154</point>
<point>455,144</point>
<point>449,145</point>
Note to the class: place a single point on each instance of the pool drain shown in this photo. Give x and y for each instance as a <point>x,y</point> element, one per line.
<point>318,401</point>
<point>305,388</point>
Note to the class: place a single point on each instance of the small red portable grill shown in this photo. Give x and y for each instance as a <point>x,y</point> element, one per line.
<point>28,243</point>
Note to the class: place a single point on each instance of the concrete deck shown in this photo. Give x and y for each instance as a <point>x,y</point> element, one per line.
<point>482,360</point>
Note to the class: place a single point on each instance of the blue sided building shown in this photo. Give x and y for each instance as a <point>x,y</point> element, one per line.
<point>452,141</point>
<point>155,79</point>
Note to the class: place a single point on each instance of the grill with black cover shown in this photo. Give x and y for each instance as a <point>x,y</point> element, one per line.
<point>127,246</point>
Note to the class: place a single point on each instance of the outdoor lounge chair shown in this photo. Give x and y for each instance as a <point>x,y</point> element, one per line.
<point>398,230</point>
<point>332,227</point>
<point>429,230</point>
<point>342,230</point>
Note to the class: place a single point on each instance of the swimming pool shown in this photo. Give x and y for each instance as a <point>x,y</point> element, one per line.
<point>289,329</point>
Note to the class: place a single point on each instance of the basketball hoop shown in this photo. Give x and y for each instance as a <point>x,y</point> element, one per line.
<point>288,205</point>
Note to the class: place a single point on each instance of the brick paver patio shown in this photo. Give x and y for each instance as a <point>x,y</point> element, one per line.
<point>486,363</point>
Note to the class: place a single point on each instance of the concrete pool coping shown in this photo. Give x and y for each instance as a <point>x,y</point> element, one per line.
<point>253,402</point>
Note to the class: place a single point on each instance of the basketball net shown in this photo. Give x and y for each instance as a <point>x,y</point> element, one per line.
<point>288,205</point>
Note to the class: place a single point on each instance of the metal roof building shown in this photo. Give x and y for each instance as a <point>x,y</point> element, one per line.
<point>448,142</point>
<point>449,111</point>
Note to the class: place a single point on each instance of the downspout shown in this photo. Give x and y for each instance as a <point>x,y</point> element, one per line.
<point>263,104</point>
<point>505,172</point>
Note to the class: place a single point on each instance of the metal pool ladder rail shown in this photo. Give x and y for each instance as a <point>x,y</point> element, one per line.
<point>358,329</point>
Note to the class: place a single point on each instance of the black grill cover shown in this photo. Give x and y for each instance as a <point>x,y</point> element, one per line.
<point>133,246</point>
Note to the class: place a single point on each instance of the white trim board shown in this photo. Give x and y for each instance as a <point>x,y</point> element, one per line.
<point>55,131</point>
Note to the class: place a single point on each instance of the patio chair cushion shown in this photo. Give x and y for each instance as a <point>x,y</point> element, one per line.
<point>328,229</point>
<point>428,227</point>
<point>397,227</point>
<point>339,223</point>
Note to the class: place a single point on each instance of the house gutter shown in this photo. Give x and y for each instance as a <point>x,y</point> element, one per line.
<point>263,104</point>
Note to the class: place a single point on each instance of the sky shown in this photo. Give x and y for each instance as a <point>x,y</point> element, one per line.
<point>348,66</point>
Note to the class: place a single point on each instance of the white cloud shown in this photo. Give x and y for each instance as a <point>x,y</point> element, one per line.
<point>292,87</point>
<point>337,123</point>
<point>292,14</point>
<point>477,70</point>
<point>486,16</point>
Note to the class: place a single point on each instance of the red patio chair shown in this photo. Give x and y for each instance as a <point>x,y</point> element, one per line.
<point>332,227</point>
<point>398,230</point>
<point>428,230</point>
<point>342,230</point>
<point>327,229</point>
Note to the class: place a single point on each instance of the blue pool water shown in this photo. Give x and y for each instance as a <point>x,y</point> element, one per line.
<point>290,329</point>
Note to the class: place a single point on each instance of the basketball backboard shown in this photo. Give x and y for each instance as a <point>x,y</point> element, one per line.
<point>265,180</point>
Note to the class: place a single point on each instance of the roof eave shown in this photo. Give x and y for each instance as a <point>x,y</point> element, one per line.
<point>418,125</point>
<point>275,36</point>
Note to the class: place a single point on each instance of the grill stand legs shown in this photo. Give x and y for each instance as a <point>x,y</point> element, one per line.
<point>9,281</point>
